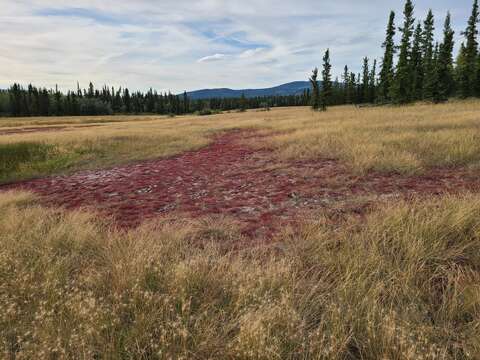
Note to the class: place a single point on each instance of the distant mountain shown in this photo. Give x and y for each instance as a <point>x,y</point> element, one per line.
<point>293,88</point>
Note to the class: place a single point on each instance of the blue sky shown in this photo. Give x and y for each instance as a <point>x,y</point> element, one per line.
<point>186,44</point>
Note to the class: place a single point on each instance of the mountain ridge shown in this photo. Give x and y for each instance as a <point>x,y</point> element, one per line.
<point>291,88</point>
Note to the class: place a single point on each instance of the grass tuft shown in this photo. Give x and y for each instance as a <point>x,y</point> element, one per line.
<point>403,284</point>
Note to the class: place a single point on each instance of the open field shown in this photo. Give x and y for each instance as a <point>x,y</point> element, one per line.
<point>406,140</point>
<point>353,233</point>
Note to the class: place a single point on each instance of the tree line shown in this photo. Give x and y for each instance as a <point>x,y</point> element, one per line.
<point>417,69</point>
<point>33,101</point>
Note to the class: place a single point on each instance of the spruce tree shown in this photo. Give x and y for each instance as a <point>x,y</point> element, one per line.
<point>346,85</point>
<point>401,88</point>
<point>315,98</point>
<point>387,71</point>
<point>445,62</point>
<point>372,84</point>
<point>417,63</point>
<point>365,80</point>
<point>353,88</point>
<point>428,61</point>
<point>467,69</point>
<point>435,81</point>
<point>326,92</point>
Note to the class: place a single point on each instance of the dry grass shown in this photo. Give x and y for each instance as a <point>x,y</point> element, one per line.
<point>118,142</point>
<point>408,140</point>
<point>403,285</point>
<point>74,120</point>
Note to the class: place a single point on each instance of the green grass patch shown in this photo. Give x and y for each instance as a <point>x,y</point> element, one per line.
<point>13,156</point>
<point>29,159</point>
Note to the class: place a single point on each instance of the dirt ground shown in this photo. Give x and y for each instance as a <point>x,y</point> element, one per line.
<point>229,178</point>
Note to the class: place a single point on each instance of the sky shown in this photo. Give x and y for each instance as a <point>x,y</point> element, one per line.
<point>182,45</point>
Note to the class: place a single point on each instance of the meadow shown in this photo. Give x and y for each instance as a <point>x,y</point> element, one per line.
<point>401,281</point>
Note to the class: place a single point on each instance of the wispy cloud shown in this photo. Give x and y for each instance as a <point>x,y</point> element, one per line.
<point>177,45</point>
<point>94,15</point>
<point>214,57</point>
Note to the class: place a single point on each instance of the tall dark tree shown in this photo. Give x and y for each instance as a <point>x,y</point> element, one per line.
<point>372,83</point>
<point>186,103</point>
<point>326,91</point>
<point>91,91</point>
<point>387,70</point>
<point>417,64</point>
<point>315,98</point>
<point>446,83</point>
<point>429,73</point>
<point>353,88</point>
<point>365,80</point>
<point>435,81</point>
<point>346,85</point>
<point>127,100</point>
<point>401,88</point>
<point>467,68</point>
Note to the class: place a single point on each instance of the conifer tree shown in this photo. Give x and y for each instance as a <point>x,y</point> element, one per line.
<point>417,64</point>
<point>469,52</point>
<point>387,71</point>
<point>365,81</point>
<point>401,87</point>
<point>353,88</point>
<point>372,84</point>
<point>435,83</point>
<point>428,61</point>
<point>326,82</point>
<point>315,98</point>
<point>346,85</point>
<point>445,62</point>
<point>186,103</point>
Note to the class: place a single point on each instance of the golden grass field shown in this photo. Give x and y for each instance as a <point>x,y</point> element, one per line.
<point>406,140</point>
<point>401,283</point>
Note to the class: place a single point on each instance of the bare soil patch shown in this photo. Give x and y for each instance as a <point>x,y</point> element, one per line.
<point>229,178</point>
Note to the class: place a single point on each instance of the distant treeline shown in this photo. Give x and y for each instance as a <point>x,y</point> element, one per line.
<point>417,69</point>
<point>33,101</point>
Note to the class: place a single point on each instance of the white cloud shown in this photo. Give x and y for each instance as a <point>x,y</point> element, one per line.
<point>163,44</point>
<point>250,53</point>
<point>214,57</point>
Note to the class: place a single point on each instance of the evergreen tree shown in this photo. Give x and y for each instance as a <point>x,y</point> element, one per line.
<point>429,73</point>
<point>401,87</point>
<point>387,71</point>
<point>315,100</point>
<point>127,100</point>
<point>91,91</point>
<point>353,88</point>
<point>417,63</point>
<point>435,81</point>
<point>186,103</point>
<point>346,85</point>
<point>365,81</point>
<point>467,68</point>
<point>445,62</point>
<point>372,84</point>
<point>326,82</point>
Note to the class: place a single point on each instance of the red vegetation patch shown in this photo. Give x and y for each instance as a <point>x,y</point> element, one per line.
<point>230,178</point>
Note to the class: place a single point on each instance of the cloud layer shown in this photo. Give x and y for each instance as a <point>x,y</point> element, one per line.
<point>185,45</point>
